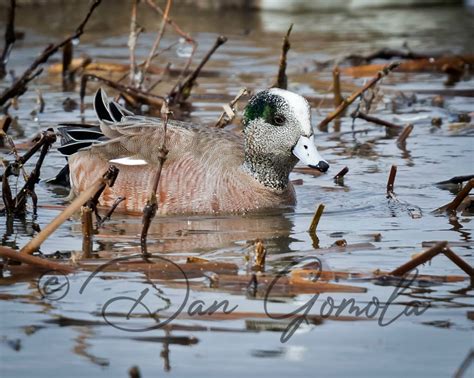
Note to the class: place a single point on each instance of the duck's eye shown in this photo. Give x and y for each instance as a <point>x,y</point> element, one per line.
<point>279,120</point>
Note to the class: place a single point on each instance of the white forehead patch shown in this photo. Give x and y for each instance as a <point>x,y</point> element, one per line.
<point>300,108</point>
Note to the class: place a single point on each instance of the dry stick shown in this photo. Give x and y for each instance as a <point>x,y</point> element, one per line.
<point>336,87</point>
<point>138,95</point>
<point>151,206</point>
<point>19,86</point>
<point>107,179</point>
<point>157,41</point>
<point>376,120</point>
<point>451,207</point>
<point>340,176</point>
<point>282,79</point>
<point>8,253</point>
<point>228,114</point>
<point>420,259</point>
<point>132,42</point>
<point>405,134</point>
<point>184,35</point>
<point>391,180</point>
<point>183,90</point>
<point>346,102</point>
<point>9,39</point>
<point>459,262</point>
<point>87,230</point>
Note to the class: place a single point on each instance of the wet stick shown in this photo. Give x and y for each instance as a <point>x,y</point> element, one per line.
<point>336,87</point>
<point>340,176</point>
<point>151,206</point>
<point>405,134</point>
<point>420,259</point>
<point>109,213</point>
<point>459,262</point>
<point>376,121</point>
<point>460,197</point>
<point>87,230</point>
<point>346,102</point>
<point>391,180</point>
<point>8,253</point>
<point>20,85</point>
<point>282,79</point>
<point>314,225</point>
<point>9,39</point>
<point>107,179</point>
<point>5,123</point>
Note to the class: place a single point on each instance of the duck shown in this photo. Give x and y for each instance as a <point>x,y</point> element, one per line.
<point>207,170</point>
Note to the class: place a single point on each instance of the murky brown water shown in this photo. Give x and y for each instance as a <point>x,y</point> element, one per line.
<point>41,337</point>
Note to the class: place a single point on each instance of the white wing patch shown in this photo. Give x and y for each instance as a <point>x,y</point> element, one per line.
<point>128,161</point>
<point>300,108</point>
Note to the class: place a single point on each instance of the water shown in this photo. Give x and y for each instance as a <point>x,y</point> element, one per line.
<point>71,336</point>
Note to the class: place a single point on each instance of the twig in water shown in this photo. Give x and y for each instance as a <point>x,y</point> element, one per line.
<point>340,176</point>
<point>441,247</point>
<point>151,206</point>
<point>454,204</point>
<point>8,253</point>
<point>107,179</point>
<point>314,225</point>
<point>420,259</point>
<point>20,85</point>
<point>376,120</point>
<point>107,216</point>
<point>282,79</point>
<point>405,134</point>
<point>182,90</point>
<point>346,102</point>
<point>391,180</point>
<point>336,87</point>
<point>9,39</point>
<point>228,114</point>
<point>87,230</point>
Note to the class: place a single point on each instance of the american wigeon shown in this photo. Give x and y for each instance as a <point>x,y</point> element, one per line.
<point>207,170</point>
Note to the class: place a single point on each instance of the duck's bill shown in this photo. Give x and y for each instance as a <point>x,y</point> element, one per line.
<point>306,151</point>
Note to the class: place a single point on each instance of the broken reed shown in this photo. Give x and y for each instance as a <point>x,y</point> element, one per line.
<point>346,102</point>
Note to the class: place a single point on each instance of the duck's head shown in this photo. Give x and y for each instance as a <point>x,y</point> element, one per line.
<point>278,133</point>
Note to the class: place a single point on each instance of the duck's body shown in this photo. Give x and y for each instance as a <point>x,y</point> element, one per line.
<point>202,174</point>
<point>206,171</point>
